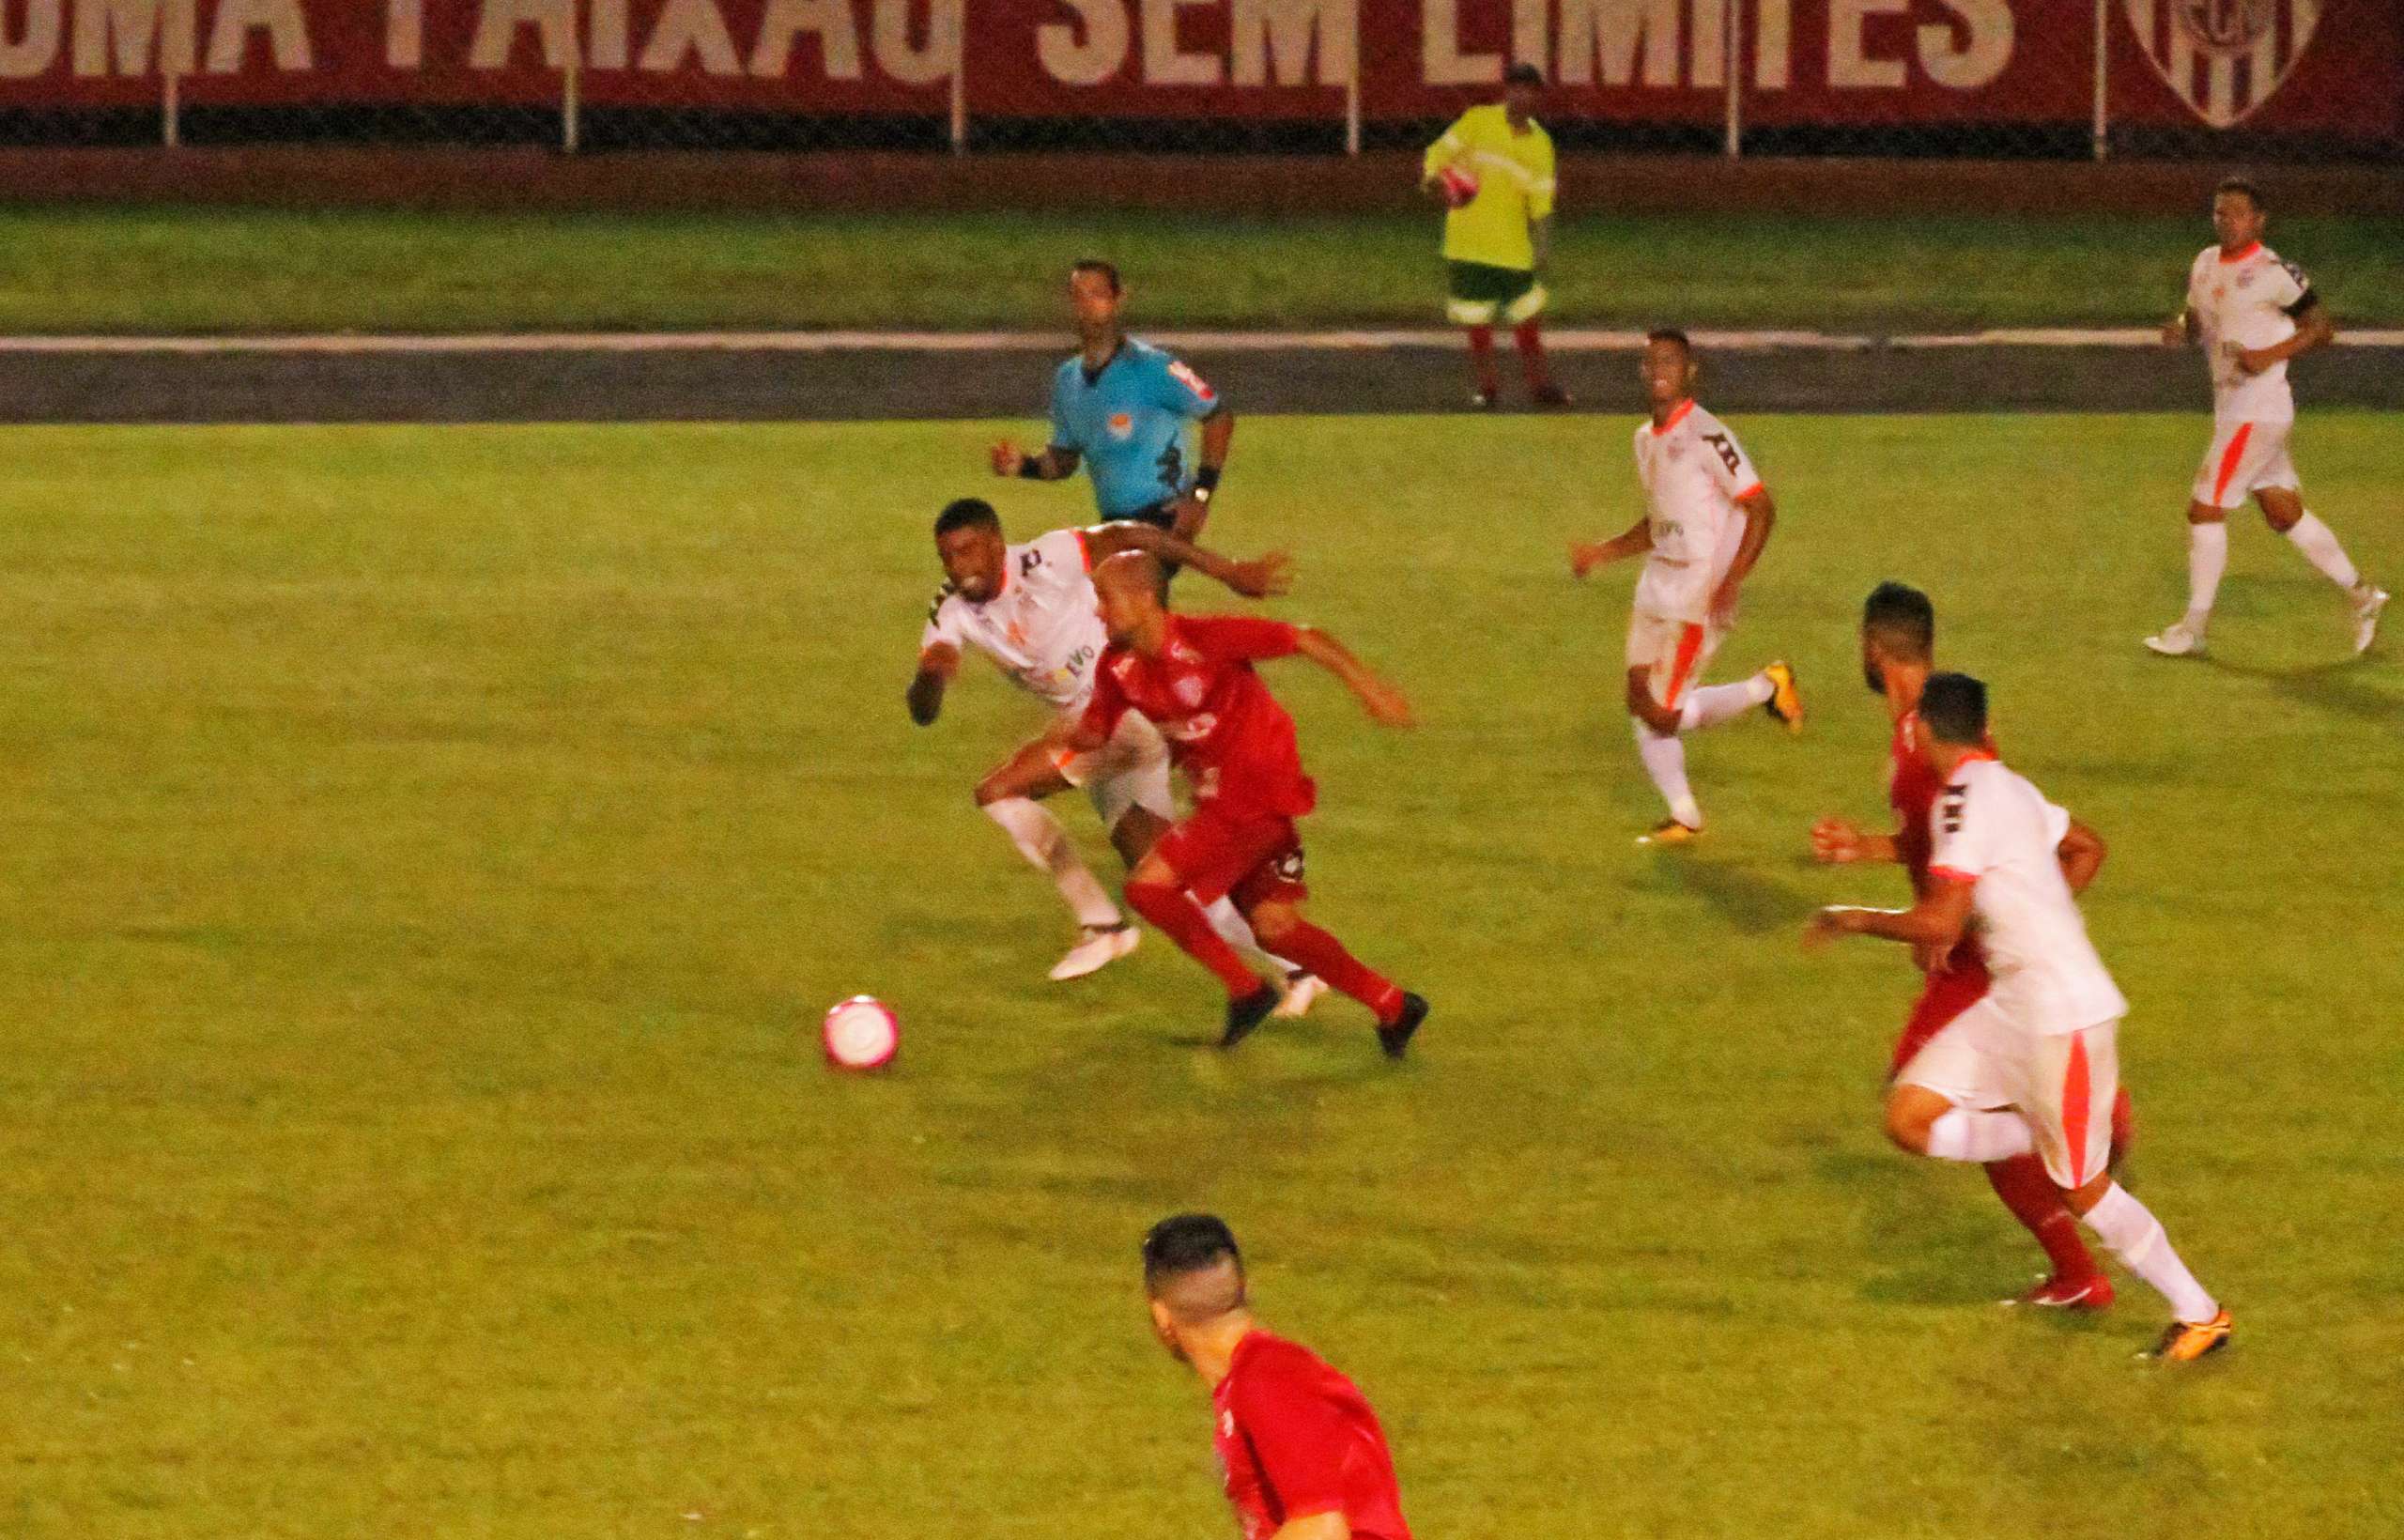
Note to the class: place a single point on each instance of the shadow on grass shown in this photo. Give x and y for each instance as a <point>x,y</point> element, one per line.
<point>1747,900</point>
<point>2346,686</point>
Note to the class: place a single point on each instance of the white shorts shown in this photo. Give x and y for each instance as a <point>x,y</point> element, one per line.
<point>1673,654</point>
<point>1129,771</point>
<point>2065,1084</point>
<point>1964,1062</point>
<point>2245,459</point>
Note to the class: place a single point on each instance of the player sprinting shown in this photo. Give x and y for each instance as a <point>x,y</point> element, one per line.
<point>2253,311</point>
<point>1120,407</point>
<point>2049,1027</point>
<point>1300,1448</point>
<point>1936,1065</point>
<point>1031,608</point>
<point>1493,169</point>
<point>1708,518</point>
<point>1192,676</point>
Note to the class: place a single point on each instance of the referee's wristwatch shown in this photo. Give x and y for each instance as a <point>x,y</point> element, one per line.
<point>1206,485</point>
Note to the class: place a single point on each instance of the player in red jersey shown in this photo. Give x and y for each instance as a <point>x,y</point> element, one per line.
<point>1927,1078</point>
<point>1298,1446</point>
<point>1191,676</point>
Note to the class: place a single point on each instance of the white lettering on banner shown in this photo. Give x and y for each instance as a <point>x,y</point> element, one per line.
<point>1442,61</point>
<point>498,21</point>
<point>124,32</point>
<point>35,48</point>
<point>1850,68</point>
<point>838,39</point>
<point>605,39</point>
<point>1164,64</point>
<point>1272,39</point>
<point>1610,30</point>
<point>1088,52</point>
<point>917,66</point>
<point>288,34</point>
<point>405,34</point>
<point>1986,44</point>
<point>690,26</point>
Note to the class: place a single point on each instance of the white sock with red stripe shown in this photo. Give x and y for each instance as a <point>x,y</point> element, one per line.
<point>2320,545</point>
<point>1665,761</point>
<point>1047,848</point>
<point>1716,703</point>
<point>2129,1231</point>
<point>1965,1135</point>
<point>2207,559</point>
<point>1236,931</point>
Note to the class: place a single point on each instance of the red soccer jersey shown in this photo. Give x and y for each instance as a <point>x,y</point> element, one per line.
<point>1224,728</point>
<point>1296,1438</point>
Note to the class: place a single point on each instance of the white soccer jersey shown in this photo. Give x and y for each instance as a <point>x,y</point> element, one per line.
<point>1993,828</point>
<point>1042,628</point>
<point>1693,471</point>
<point>2253,299</point>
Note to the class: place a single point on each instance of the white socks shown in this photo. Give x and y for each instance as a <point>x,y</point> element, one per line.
<point>1047,848</point>
<point>2207,559</point>
<point>2132,1234</point>
<point>1963,1134</point>
<point>1716,703</point>
<point>1236,931</point>
<point>1665,761</point>
<point>2320,545</point>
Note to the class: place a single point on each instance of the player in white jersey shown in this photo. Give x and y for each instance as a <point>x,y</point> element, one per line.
<point>1706,517</point>
<point>2049,1028</point>
<point>2253,312</point>
<point>1032,609</point>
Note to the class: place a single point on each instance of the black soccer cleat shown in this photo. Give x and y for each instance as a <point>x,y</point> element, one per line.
<point>1395,1037</point>
<point>1247,1013</point>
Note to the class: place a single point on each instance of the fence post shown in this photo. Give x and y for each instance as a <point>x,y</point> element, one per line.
<point>2102,131</point>
<point>571,94</point>
<point>1353,89</point>
<point>171,128</point>
<point>1732,18</point>
<point>959,79</point>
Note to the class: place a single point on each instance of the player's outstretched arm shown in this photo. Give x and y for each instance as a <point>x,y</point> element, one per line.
<point>1585,556</point>
<point>1258,579</point>
<point>1935,922</point>
<point>937,665</point>
<point>1382,702</point>
<point>1841,842</point>
<point>1050,463</point>
<point>2081,853</point>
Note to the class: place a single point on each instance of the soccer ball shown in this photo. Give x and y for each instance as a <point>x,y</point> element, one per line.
<point>1457,186</point>
<point>861,1032</point>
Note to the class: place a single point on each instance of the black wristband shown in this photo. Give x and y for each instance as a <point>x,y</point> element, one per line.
<point>1206,479</point>
<point>1030,467</point>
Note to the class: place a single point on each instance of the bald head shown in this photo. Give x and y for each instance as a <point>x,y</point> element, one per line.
<point>1129,586</point>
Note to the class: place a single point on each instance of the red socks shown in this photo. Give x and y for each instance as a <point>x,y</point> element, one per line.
<point>1529,334</point>
<point>1313,950</point>
<point>1481,358</point>
<point>1183,921</point>
<point>2034,1200</point>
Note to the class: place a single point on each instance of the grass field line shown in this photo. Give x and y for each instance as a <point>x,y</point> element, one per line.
<point>1568,340</point>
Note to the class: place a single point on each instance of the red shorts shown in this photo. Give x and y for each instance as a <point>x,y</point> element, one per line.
<point>1945,995</point>
<point>1252,860</point>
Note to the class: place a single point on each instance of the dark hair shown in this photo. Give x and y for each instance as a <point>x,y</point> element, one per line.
<point>1954,706</point>
<point>966,512</point>
<point>1524,74</point>
<point>1095,264</point>
<point>1184,1244</point>
<point>1670,333</point>
<point>2245,185</point>
<point>1902,620</point>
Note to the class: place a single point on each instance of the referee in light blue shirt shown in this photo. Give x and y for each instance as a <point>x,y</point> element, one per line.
<point>1120,406</point>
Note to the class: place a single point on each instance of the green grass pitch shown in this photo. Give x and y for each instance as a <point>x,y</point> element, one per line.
<point>429,850</point>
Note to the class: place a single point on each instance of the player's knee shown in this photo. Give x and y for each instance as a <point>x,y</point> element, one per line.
<point>1271,922</point>
<point>1908,1121</point>
<point>2204,512</point>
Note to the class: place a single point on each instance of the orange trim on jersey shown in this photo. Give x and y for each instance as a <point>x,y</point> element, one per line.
<point>1747,492</point>
<point>1084,552</point>
<point>1675,418</point>
<point>2075,1099</point>
<point>1950,875</point>
<point>1690,648</point>
<point>1975,755</point>
<point>2230,458</point>
<point>2251,248</point>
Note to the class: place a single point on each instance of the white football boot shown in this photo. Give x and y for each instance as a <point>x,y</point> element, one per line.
<point>1102,946</point>
<point>2177,639</point>
<point>1301,990</point>
<point>2368,602</point>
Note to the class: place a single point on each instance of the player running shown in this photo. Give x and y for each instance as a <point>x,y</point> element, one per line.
<point>1192,676</point>
<point>1493,169</point>
<point>2253,312</point>
<point>1936,1067</point>
<point>2049,1028</point>
<point>1708,518</point>
<point>1120,407</point>
<point>1299,1448</point>
<point>1031,608</point>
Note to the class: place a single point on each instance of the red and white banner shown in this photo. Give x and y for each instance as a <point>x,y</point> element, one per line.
<point>2323,65</point>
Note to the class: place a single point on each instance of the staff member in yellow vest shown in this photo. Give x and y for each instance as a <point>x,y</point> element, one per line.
<point>1493,169</point>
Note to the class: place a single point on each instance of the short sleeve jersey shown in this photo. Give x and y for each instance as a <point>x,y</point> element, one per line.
<point>1693,471</point>
<point>1995,829</point>
<point>1515,185</point>
<point>1129,418</point>
<point>1043,629</point>
<point>2251,300</point>
<point>1296,1438</point>
<point>1227,732</point>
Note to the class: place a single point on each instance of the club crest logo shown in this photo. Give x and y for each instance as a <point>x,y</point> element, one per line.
<point>2223,58</point>
<point>1121,423</point>
<point>1190,690</point>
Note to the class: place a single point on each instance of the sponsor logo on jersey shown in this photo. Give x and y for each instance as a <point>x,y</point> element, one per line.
<point>1190,690</point>
<point>1122,425</point>
<point>2223,58</point>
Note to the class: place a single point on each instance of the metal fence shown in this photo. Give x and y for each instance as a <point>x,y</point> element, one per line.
<point>2260,79</point>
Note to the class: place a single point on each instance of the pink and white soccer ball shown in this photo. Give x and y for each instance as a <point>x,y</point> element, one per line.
<point>1457,184</point>
<point>861,1032</point>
